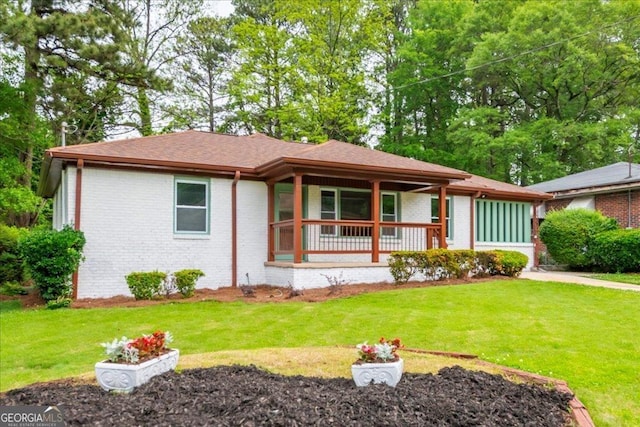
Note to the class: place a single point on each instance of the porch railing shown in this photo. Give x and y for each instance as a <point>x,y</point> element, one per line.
<point>354,237</point>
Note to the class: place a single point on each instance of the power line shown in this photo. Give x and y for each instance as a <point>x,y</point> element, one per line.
<point>517,55</point>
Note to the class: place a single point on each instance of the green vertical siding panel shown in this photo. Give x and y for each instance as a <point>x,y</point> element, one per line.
<point>503,231</point>
<point>479,221</point>
<point>513,214</point>
<point>494,222</point>
<point>499,232</point>
<point>487,221</point>
<point>527,222</point>
<point>507,223</point>
<point>518,222</point>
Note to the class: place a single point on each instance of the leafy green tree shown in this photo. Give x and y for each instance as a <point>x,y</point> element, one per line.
<point>263,85</point>
<point>517,90</point>
<point>69,55</point>
<point>18,203</point>
<point>151,30</point>
<point>333,41</point>
<point>204,57</point>
<point>559,63</point>
<point>392,30</point>
<point>425,101</point>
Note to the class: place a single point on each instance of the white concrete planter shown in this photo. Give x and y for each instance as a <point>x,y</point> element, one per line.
<point>123,378</point>
<point>379,373</point>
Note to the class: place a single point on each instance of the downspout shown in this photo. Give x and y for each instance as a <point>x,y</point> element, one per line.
<point>234,230</point>
<point>76,220</point>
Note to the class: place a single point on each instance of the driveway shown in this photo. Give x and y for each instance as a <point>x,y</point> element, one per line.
<point>579,278</point>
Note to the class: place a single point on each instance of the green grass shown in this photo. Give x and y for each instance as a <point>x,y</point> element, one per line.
<point>585,335</point>
<point>9,305</point>
<point>630,278</point>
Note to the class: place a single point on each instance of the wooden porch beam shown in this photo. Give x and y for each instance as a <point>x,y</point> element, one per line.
<point>297,218</point>
<point>442,214</point>
<point>375,213</point>
<point>271,208</point>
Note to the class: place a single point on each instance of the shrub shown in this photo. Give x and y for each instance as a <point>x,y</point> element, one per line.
<point>60,302</point>
<point>510,263</point>
<point>487,263</point>
<point>439,264</point>
<point>51,257</point>
<point>568,233</point>
<point>404,265</point>
<point>145,285</point>
<point>186,281</point>
<point>11,265</point>
<point>12,288</point>
<point>617,251</point>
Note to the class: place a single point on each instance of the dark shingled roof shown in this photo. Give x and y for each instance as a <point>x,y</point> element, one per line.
<point>260,156</point>
<point>612,175</point>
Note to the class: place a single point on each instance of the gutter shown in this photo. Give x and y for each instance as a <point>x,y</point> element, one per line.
<point>234,229</point>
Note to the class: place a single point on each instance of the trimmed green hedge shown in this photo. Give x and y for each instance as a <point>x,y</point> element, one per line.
<point>156,284</point>
<point>146,285</point>
<point>441,264</point>
<point>186,281</point>
<point>617,251</point>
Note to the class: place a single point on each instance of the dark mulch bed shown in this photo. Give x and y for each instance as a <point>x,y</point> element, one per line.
<point>247,396</point>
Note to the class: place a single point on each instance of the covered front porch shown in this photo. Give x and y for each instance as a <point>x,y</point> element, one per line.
<point>296,237</point>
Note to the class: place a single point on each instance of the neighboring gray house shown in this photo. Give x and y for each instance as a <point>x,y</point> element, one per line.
<point>613,190</point>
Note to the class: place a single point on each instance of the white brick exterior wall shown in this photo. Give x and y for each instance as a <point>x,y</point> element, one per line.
<point>461,223</point>
<point>127,217</point>
<point>253,231</point>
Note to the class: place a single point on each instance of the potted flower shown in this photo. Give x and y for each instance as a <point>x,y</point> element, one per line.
<point>133,362</point>
<point>379,363</point>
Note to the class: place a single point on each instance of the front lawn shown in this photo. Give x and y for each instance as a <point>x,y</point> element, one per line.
<point>584,335</point>
<point>630,278</point>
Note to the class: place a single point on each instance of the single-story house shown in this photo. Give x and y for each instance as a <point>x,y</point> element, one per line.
<point>613,190</point>
<point>258,210</point>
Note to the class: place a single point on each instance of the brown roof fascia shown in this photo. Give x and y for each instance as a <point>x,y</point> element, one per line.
<point>149,163</point>
<point>595,190</point>
<point>525,195</point>
<point>330,168</point>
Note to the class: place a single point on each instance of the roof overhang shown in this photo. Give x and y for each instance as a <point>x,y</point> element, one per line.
<point>54,162</point>
<point>285,167</point>
<point>483,192</point>
<point>617,188</point>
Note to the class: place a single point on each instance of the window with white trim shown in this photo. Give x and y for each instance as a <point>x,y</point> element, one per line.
<point>191,201</point>
<point>347,204</point>
<point>389,213</point>
<point>328,210</point>
<point>435,213</point>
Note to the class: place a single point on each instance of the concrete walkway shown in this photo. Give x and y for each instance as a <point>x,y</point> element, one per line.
<point>579,278</point>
